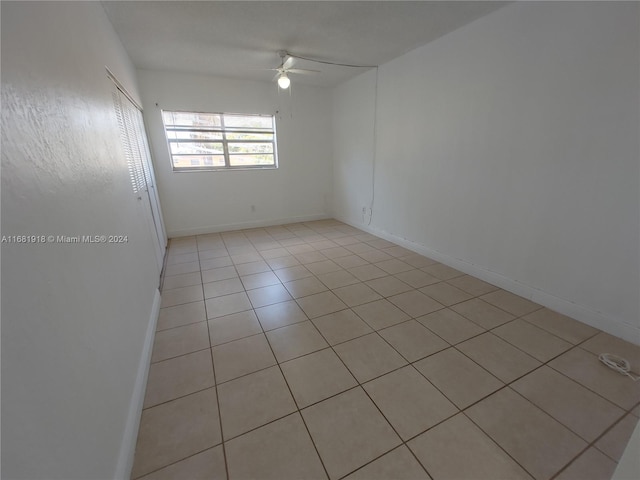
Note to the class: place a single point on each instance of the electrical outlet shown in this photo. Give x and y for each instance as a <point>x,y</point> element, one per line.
<point>364,210</point>
<point>253,208</point>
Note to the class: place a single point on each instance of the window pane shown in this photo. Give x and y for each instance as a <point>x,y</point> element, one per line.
<point>196,148</point>
<point>194,161</point>
<point>250,147</point>
<point>248,121</point>
<point>181,133</point>
<point>192,119</point>
<point>268,137</point>
<point>167,118</point>
<point>251,160</point>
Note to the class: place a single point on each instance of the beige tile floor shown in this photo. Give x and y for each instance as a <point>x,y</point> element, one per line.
<point>316,350</point>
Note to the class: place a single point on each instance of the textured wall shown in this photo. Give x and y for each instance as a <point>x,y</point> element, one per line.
<point>74,316</point>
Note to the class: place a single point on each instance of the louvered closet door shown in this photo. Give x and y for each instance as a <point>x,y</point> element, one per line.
<point>136,149</point>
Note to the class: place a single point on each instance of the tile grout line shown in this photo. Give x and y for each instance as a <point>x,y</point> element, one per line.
<point>360,384</point>
<point>578,345</point>
<point>509,384</point>
<point>215,385</point>
<point>497,444</point>
<point>174,462</point>
<point>295,402</point>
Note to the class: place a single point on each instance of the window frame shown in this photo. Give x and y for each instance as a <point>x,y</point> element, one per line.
<point>224,141</point>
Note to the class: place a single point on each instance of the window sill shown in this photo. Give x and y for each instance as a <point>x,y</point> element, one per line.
<point>222,169</point>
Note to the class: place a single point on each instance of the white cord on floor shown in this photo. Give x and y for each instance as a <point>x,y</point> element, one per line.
<point>618,364</point>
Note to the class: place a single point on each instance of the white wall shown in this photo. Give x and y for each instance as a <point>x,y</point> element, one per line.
<point>509,149</point>
<point>75,316</point>
<point>353,138</point>
<point>200,202</point>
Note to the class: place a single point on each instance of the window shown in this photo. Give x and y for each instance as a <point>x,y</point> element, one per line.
<point>219,141</point>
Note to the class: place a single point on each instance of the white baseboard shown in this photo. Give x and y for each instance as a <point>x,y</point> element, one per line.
<point>576,311</point>
<point>629,464</point>
<point>244,225</point>
<point>128,446</point>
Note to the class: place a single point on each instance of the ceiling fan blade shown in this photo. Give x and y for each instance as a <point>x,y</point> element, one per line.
<point>302,71</point>
<point>288,63</point>
<point>277,75</point>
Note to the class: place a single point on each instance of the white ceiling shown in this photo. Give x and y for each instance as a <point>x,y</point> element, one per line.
<point>241,39</point>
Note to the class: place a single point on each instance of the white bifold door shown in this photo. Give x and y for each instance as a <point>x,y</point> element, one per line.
<point>136,149</point>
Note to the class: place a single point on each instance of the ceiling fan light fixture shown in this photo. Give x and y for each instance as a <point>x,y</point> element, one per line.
<point>284,81</point>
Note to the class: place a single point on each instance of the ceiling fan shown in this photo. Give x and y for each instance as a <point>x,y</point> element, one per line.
<point>285,69</point>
